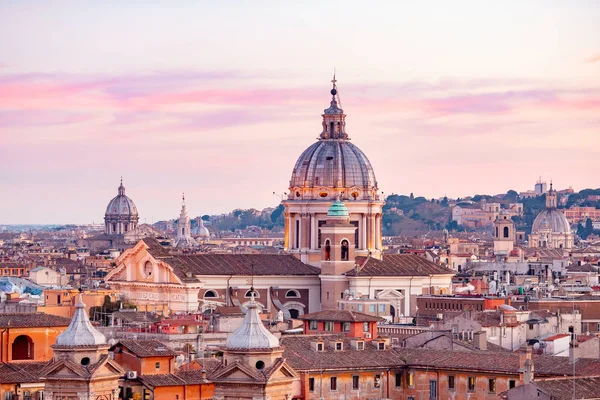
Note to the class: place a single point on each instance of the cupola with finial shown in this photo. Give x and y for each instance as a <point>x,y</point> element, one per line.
<point>334,119</point>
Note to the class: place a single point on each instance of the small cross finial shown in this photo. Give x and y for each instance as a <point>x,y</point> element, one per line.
<point>334,81</point>
<point>121,180</point>
<point>183,196</point>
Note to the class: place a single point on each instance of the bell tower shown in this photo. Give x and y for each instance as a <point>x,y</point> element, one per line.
<point>504,234</point>
<point>337,254</point>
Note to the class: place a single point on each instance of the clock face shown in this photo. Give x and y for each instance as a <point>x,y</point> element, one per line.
<point>148,269</point>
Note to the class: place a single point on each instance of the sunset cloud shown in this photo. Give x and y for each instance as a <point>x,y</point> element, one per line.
<point>593,59</point>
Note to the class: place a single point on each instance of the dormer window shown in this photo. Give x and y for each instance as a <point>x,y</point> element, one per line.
<point>339,346</point>
<point>360,345</point>
<point>381,346</point>
<point>317,346</point>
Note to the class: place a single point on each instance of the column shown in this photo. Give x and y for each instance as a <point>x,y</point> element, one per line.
<point>313,232</point>
<point>363,232</point>
<point>286,232</point>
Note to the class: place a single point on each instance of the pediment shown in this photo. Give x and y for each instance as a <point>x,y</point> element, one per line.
<point>282,371</point>
<point>237,372</point>
<point>390,294</point>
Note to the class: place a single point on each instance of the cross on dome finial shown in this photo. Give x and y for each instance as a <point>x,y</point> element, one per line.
<point>334,81</point>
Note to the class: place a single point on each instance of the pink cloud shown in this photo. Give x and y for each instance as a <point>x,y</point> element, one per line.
<point>593,59</point>
<point>22,118</point>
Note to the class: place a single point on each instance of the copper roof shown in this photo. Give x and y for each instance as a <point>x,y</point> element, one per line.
<point>397,265</point>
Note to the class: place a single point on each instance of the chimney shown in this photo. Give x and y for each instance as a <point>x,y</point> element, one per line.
<point>573,351</point>
<point>526,366</point>
<point>203,372</point>
<point>480,340</point>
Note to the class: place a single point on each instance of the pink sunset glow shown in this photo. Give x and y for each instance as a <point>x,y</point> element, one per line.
<point>220,102</point>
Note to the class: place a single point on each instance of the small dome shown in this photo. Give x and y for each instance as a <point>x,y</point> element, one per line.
<point>202,230</point>
<point>80,331</point>
<point>121,205</point>
<point>338,209</point>
<point>504,212</point>
<point>551,220</point>
<point>252,334</point>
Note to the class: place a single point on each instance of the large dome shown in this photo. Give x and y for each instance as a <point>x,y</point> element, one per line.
<point>333,163</point>
<point>333,166</point>
<point>551,220</point>
<point>121,205</point>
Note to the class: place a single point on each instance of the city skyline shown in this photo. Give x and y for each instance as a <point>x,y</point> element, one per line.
<point>93,94</point>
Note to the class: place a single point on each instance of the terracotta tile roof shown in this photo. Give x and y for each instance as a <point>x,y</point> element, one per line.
<point>582,268</point>
<point>556,337</point>
<point>30,320</point>
<point>208,364</point>
<point>136,317</point>
<point>562,389</point>
<point>397,265</point>
<point>26,372</point>
<point>187,267</point>
<point>146,348</point>
<point>228,311</point>
<point>159,380</point>
<point>191,377</point>
<point>300,355</point>
<point>339,316</point>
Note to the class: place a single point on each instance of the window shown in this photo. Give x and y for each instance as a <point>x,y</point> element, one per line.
<point>432,390</point>
<point>506,231</point>
<point>210,294</point>
<point>297,234</point>
<point>249,294</point>
<point>313,325</point>
<point>398,379</point>
<point>512,383</point>
<point>346,326</point>
<point>360,307</point>
<point>377,381</point>
<point>355,380</point>
<point>327,295</point>
<point>530,327</point>
<point>360,345</point>
<point>372,308</point>
<point>381,345</point>
<point>355,223</point>
<point>345,254</point>
<point>328,326</point>
<point>292,294</point>
<point>319,346</point>
<point>157,365</point>
<point>333,383</point>
<point>410,379</point>
<point>365,327</point>
<point>22,348</point>
<point>382,308</point>
<point>311,384</point>
<point>327,250</point>
<point>339,346</point>
<point>451,382</point>
<point>492,385</point>
<point>471,384</point>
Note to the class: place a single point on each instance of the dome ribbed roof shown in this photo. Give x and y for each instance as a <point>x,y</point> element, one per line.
<point>338,209</point>
<point>551,220</point>
<point>333,163</point>
<point>80,331</point>
<point>121,205</point>
<point>252,334</point>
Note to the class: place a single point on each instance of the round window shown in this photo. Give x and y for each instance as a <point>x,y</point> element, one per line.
<point>85,361</point>
<point>260,364</point>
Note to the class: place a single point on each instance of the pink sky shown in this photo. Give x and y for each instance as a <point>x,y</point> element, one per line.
<point>218,102</point>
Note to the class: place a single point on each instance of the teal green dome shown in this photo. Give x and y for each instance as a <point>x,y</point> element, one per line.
<point>337,209</point>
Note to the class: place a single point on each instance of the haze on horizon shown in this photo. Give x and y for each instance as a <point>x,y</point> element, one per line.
<point>218,101</point>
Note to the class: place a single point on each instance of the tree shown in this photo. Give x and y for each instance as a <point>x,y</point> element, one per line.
<point>206,218</point>
<point>512,195</point>
<point>444,202</point>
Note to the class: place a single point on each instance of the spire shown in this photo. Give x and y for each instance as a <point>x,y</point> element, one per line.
<point>121,188</point>
<point>80,332</point>
<point>334,125</point>
<point>252,334</point>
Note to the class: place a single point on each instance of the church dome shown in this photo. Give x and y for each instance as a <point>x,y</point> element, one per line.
<point>252,334</point>
<point>202,230</point>
<point>551,220</point>
<point>121,205</point>
<point>80,331</point>
<point>333,166</point>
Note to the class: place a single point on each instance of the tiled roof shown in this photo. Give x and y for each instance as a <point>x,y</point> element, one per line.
<point>187,267</point>
<point>397,265</point>
<point>146,348</point>
<point>556,337</point>
<point>15,372</point>
<point>208,364</point>
<point>562,389</point>
<point>339,316</point>
<point>300,355</point>
<point>158,380</point>
<point>582,268</point>
<point>31,320</point>
<point>191,377</point>
<point>136,317</point>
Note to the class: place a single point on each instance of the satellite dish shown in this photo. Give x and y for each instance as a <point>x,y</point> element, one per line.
<point>180,358</point>
<point>112,342</point>
<point>536,346</point>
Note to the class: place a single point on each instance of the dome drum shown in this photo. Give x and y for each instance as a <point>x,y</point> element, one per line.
<point>121,214</point>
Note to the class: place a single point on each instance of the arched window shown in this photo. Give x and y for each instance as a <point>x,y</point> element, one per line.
<point>345,254</point>
<point>210,294</point>
<point>496,231</point>
<point>292,294</point>
<point>506,231</point>
<point>22,348</point>
<point>249,294</point>
<point>327,250</point>
<point>294,313</point>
